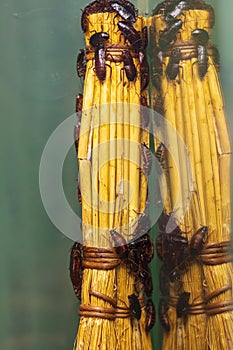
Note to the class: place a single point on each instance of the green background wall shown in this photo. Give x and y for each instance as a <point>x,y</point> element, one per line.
<point>39,41</point>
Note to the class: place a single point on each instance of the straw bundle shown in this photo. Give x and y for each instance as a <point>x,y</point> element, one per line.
<point>192,103</point>
<point>113,192</point>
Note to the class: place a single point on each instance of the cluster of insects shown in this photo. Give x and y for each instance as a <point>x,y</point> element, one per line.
<point>171,11</point>
<point>136,42</point>
<point>177,253</point>
<point>174,249</point>
<point>137,254</point>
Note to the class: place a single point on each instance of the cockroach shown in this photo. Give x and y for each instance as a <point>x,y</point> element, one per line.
<point>119,243</point>
<point>144,38</point>
<point>129,66</point>
<point>198,239</point>
<point>201,36</point>
<point>173,64</point>
<point>81,64</point>
<point>160,154</point>
<point>164,281</point>
<point>125,10</point>
<point>182,304</point>
<point>173,13</point>
<point>146,159</point>
<point>144,70</point>
<point>99,38</point>
<point>76,271</point>
<point>168,35</point>
<point>134,307</point>
<point>150,315</point>
<point>216,57</point>
<point>202,60</point>
<point>100,63</point>
<point>163,315</point>
<point>131,34</point>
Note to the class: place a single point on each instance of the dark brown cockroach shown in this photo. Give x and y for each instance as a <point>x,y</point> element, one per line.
<point>168,35</point>
<point>216,57</point>
<point>99,38</point>
<point>100,63</point>
<point>202,60</point>
<point>81,64</point>
<point>119,243</point>
<point>131,34</point>
<point>134,307</point>
<point>197,240</point>
<point>173,65</point>
<point>144,70</point>
<point>164,281</point>
<point>160,154</point>
<point>129,66</point>
<point>76,271</point>
<point>79,103</point>
<point>150,315</point>
<point>182,304</point>
<point>163,315</point>
<point>124,9</point>
<point>146,159</point>
<point>175,11</point>
<point>201,36</point>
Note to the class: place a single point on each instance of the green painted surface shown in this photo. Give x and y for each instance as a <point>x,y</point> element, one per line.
<point>39,41</point>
